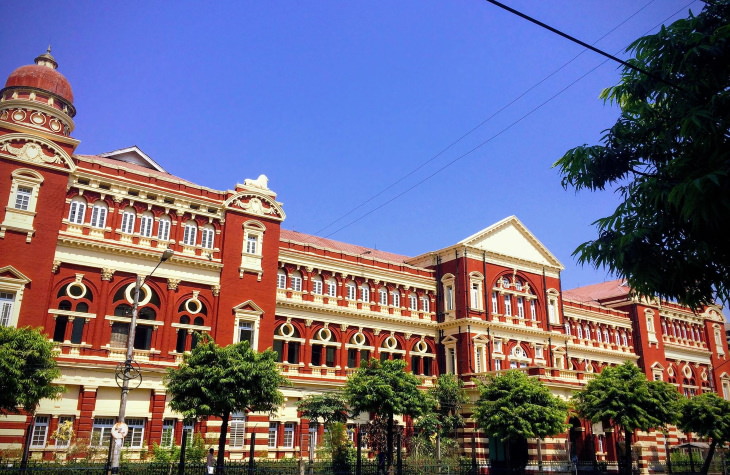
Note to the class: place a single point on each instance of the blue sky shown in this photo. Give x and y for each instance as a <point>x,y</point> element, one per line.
<point>336,101</point>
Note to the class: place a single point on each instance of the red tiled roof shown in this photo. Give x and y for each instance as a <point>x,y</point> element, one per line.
<point>597,292</point>
<point>288,235</point>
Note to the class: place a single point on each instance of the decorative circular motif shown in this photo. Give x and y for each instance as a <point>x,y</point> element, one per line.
<point>55,125</point>
<point>687,371</point>
<point>76,290</point>
<point>420,347</point>
<point>359,339</point>
<point>144,290</point>
<point>286,329</point>
<point>193,305</point>
<point>324,334</point>
<point>19,115</point>
<point>390,342</point>
<point>37,118</point>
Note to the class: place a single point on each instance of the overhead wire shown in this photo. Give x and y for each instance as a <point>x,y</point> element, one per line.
<point>485,142</point>
<point>480,124</point>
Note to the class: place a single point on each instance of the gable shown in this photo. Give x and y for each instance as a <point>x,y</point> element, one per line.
<point>135,156</point>
<point>511,238</point>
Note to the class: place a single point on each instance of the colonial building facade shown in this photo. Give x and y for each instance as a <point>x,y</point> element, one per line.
<point>77,230</point>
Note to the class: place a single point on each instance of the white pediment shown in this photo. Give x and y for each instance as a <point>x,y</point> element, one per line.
<point>511,238</point>
<point>135,156</point>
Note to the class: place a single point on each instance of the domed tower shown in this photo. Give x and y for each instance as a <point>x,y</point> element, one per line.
<point>39,97</point>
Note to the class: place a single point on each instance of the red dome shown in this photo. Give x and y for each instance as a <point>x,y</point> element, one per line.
<point>41,77</point>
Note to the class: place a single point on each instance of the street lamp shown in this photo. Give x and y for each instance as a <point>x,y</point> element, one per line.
<point>127,371</point>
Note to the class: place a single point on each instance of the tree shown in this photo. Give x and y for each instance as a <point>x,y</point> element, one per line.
<point>219,381</point>
<point>513,407</point>
<point>385,388</point>
<point>709,416</point>
<point>668,155</point>
<point>622,396</point>
<point>27,369</point>
<point>330,407</point>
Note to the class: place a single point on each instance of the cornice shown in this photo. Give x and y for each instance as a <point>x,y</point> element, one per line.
<point>483,325</point>
<point>39,106</point>
<point>305,259</point>
<point>601,354</point>
<point>621,321</point>
<point>23,129</point>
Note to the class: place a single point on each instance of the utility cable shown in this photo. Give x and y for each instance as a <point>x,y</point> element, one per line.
<point>479,125</point>
<point>503,130</point>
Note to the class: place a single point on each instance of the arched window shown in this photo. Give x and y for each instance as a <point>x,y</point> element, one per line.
<point>207,235</point>
<point>365,293</point>
<point>324,348</point>
<point>287,343</point>
<point>77,210</point>
<point>149,305</point>
<point>163,228</point>
<point>98,215</point>
<point>129,216</point>
<point>145,224</point>
<point>295,281</point>
<point>383,296</point>
<point>351,291</point>
<point>190,231</point>
<point>331,287</point>
<point>281,279</point>
<point>391,349</point>
<point>317,284</point>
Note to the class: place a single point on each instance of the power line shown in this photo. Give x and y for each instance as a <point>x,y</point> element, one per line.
<point>478,126</point>
<point>584,44</point>
<point>505,129</point>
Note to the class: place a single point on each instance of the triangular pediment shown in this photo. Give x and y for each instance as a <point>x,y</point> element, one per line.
<point>249,306</point>
<point>10,273</point>
<point>511,238</point>
<point>135,156</point>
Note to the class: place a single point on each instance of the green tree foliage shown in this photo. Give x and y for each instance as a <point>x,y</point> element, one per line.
<point>194,452</point>
<point>385,388</point>
<point>512,406</point>
<point>623,397</point>
<point>668,155</point>
<point>709,416</point>
<point>219,381</point>
<point>329,407</point>
<point>27,369</point>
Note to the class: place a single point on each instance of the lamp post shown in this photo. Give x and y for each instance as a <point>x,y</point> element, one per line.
<point>127,371</point>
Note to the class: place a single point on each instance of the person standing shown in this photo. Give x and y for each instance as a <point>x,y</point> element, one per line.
<point>210,461</point>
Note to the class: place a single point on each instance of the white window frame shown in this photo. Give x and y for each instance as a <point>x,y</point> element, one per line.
<point>129,216</point>
<point>281,279</point>
<point>7,301</point>
<point>317,285</point>
<point>273,433</point>
<point>163,228</point>
<point>252,243</point>
<point>22,202</point>
<point>237,431</point>
<point>190,233</point>
<point>63,443</point>
<point>533,310</point>
<point>77,210</point>
<point>425,304</point>
<point>331,287</point>
<point>23,196</point>
<point>12,284</point>
<point>167,439</point>
<point>135,435</point>
<point>295,281</point>
<point>383,297</point>
<point>249,312</point>
<point>413,302</point>
<point>39,439</point>
<point>521,307</point>
<point>508,304</point>
<point>495,303</point>
<point>288,442</point>
<point>395,295</point>
<point>365,293</point>
<point>207,237</point>
<point>101,431</point>
<point>99,213</point>
<point>146,221</point>
<point>351,291</point>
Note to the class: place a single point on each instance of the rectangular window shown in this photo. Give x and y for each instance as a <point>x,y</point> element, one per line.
<point>580,331</point>
<point>497,365</point>
<point>533,310</point>
<point>127,222</point>
<point>412,302</point>
<point>101,431</point>
<point>40,432</point>
<point>475,300</point>
<point>61,421</point>
<point>163,230</point>
<point>189,429</point>
<point>495,306</point>
<point>317,287</point>
<point>449,298</point>
<point>552,311</point>
<point>538,352</point>
<point>76,212</point>
<point>189,234</point>
<point>383,296</point>
<point>624,339</point>
<point>206,239</point>
<point>237,430</point>
<point>289,435</point>
<point>521,307</point>
<point>281,280</point>
<point>22,197</point>
<point>508,305</point>
<point>396,299</point>
<point>6,308</point>
<point>145,225</point>
<point>497,346</point>
<point>425,304</point>
<point>245,331</point>
<point>252,244</point>
<point>351,292</point>
<point>331,288</point>
<point>296,283</point>
<point>365,294</point>
<point>98,216</point>
<point>168,433</point>
<point>136,433</point>
<point>273,429</point>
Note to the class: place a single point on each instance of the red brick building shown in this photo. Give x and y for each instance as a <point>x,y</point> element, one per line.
<point>77,230</point>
